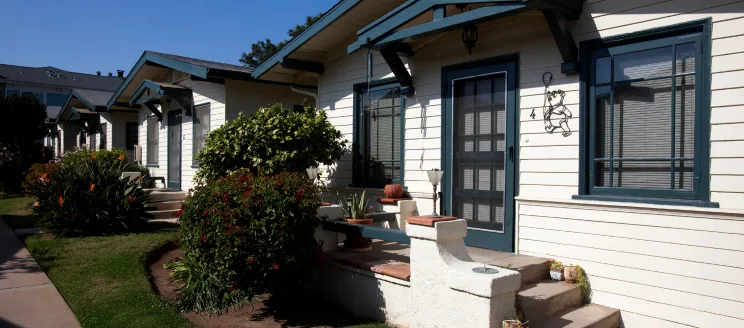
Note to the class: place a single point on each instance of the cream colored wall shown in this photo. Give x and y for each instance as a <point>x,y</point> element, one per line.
<point>203,92</point>
<point>663,266</point>
<point>247,97</point>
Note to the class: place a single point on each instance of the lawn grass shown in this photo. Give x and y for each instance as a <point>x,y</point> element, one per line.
<point>104,279</point>
<point>16,211</point>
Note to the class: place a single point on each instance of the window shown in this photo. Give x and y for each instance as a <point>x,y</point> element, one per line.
<point>104,135</point>
<point>131,135</point>
<point>82,142</point>
<point>646,111</point>
<point>201,127</point>
<point>153,140</point>
<point>56,99</point>
<point>11,93</point>
<point>38,95</point>
<point>378,130</point>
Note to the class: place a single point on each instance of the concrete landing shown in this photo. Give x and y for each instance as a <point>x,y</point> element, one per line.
<point>27,296</point>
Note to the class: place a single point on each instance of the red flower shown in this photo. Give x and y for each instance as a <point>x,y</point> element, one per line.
<point>275,266</point>
<point>228,230</point>
<point>203,238</point>
<point>225,196</point>
<point>232,287</point>
<point>260,202</point>
<point>205,213</point>
<point>222,180</point>
<point>178,214</point>
<point>301,192</point>
<point>245,193</point>
<point>250,259</point>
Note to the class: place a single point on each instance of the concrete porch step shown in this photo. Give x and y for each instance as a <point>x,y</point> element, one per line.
<point>166,196</point>
<point>163,214</point>
<point>547,298</point>
<point>161,206</point>
<point>532,269</point>
<point>590,316</point>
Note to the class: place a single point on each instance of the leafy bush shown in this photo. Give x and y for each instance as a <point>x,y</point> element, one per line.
<point>38,175</point>
<point>270,141</point>
<point>116,155</point>
<point>90,198</point>
<point>255,234</point>
<point>14,165</point>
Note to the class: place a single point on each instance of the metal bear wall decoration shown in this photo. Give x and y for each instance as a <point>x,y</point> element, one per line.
<point>555,113</point>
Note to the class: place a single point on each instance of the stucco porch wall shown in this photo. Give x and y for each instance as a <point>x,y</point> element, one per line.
<point>663,266</point>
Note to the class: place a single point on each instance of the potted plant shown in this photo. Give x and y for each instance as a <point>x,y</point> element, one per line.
<point>556,270</point>
<point>513,323</point>
<point>570,273</point>
<point>355,210</point>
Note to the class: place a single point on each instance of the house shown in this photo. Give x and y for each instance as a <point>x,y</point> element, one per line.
<point>606,134</point>
<point>52,86</point>
<point>84,122</point>
<point>178,100</point>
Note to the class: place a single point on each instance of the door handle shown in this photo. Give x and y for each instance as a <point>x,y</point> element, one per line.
<point>511,153</point>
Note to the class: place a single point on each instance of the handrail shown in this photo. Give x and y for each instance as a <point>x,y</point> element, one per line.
<point>393,235</point>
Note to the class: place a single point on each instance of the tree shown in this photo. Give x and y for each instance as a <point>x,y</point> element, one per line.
<point>263,50</point>
<point>21,131</point>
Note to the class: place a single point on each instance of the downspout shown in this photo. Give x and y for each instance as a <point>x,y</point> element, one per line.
<point>306,93</point>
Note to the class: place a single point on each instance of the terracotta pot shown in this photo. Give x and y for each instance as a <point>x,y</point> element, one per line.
<point>393,191</point>
<point>512,324</point>
<point>365,221</point>
<point>570,273</point>
<point>556,274</point>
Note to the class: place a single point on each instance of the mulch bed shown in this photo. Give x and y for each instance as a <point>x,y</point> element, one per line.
<point>268,312</point>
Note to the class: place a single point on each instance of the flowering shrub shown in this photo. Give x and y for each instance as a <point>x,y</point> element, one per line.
<point>38,175</point>
<point>89,198</point>
<point>244,235</point>
<point>114,156</point>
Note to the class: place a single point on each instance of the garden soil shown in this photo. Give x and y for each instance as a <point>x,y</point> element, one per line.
<point>268,312</point>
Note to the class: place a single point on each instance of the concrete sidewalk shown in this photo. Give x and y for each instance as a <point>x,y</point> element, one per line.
<point>27,296</point>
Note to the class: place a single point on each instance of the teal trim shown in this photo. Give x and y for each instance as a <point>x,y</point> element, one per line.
<point>509,64</point>
<point>450,23</point>
<point>647,200</point>
<point>699,32</point>
<point>328,18</point>
<point>439,12</point>
<point>394,235</point>
<point>158,60</point>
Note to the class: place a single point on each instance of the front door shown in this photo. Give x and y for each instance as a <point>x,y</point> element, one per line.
<point>174,149</point>
<point>479,151</point>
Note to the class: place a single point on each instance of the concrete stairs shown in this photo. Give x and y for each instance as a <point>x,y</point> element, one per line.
<point>164,204</point>
<point>547,303</point>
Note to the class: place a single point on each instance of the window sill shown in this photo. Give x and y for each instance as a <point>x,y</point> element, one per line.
<point>152,165</point>
<point>646,200</point>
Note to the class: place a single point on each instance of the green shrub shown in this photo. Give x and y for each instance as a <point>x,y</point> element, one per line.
<point>38,175</point>
<point>116,155</point>
<point>254,234</point>
<point>14,165</point>
<point>90,198</point>
<point>270,141</point>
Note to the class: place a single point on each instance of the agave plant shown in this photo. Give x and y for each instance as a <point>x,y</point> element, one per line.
<point>356,207</point>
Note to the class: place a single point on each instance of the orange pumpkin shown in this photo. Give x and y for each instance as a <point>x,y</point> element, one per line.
<point>393,191</point>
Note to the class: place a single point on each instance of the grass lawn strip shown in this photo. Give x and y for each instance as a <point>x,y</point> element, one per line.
<point>103,279</point>
<point>16,211</point>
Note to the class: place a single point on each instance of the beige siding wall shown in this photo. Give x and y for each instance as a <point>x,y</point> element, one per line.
<point>247,97</point>
<point>663,266</point>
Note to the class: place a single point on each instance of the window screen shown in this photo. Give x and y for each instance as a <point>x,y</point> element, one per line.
<point>201,127</point>
<point>153,140</point>
<point>644,112</point>
<point>378,134</point>
<point>104,135</point>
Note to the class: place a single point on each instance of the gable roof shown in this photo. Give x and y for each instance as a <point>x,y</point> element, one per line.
<point>84,99</point>
<point>52,76</point>
<point>203,69</point>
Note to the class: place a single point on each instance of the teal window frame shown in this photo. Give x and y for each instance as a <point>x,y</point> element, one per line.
<point>195,126</point>
<point>588,130</point>
<point>153,138</point>
<point>358,178</point>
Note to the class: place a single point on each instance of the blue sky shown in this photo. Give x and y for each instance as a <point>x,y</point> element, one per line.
<point>103,35</point>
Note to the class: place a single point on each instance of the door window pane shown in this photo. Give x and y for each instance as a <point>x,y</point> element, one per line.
<point>643,64</point>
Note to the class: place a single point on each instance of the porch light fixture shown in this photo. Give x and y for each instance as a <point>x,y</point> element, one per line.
<point>435,177</point>
<point>312,173</point>
<point>470,37</point>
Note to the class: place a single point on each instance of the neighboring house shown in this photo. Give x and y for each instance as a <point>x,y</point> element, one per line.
<point>607,134</point>
<point>52,86</point>
<point>181,99</point>
<point>84,122</point>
